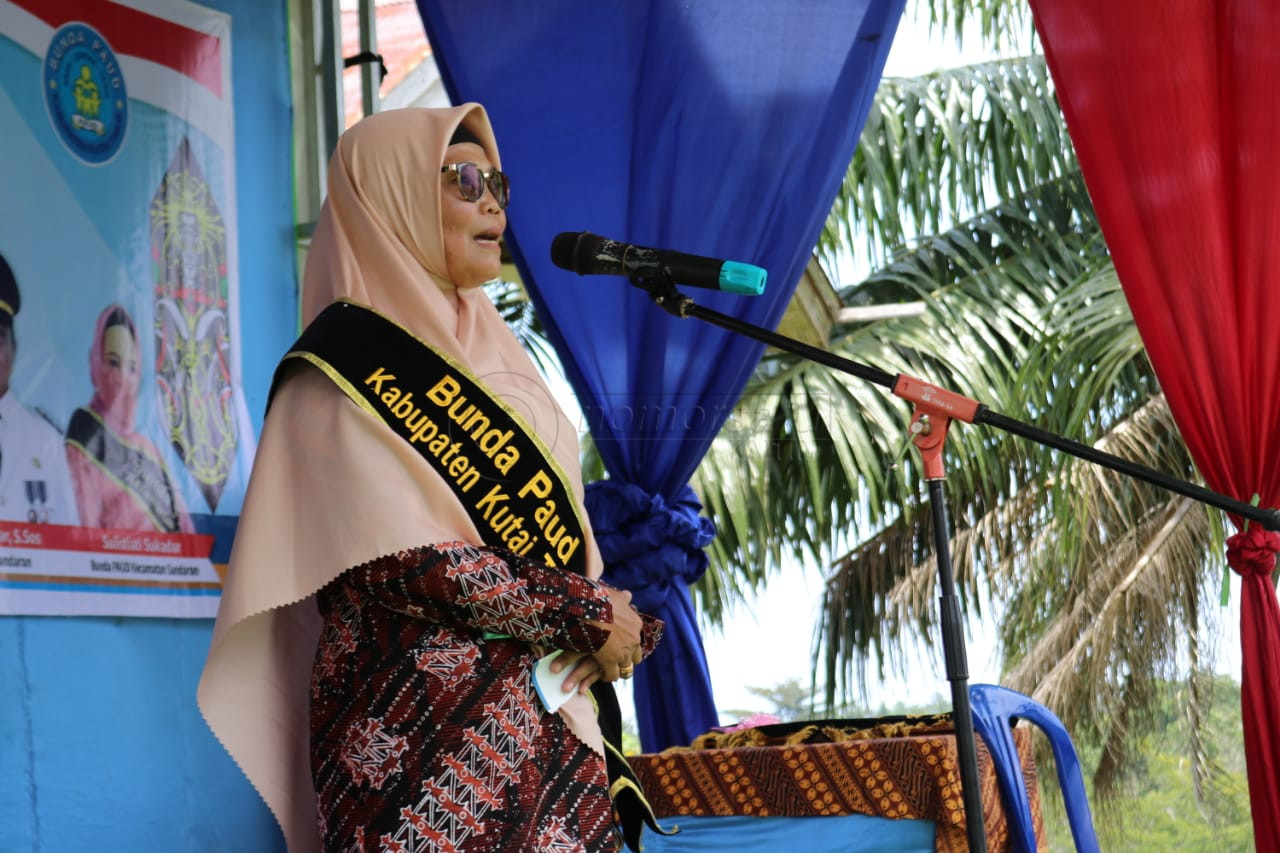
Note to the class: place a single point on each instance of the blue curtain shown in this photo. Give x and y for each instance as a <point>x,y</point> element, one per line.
<point>713,128</point>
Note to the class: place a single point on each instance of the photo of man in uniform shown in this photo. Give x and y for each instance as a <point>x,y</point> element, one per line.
<point>35,485</point>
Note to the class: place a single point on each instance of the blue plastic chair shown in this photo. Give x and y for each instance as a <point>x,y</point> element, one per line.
<point>994,710</point>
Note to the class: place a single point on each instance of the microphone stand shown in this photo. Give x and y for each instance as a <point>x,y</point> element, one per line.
<point>933,410</point>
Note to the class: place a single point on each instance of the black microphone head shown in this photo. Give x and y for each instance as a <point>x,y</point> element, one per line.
<point>564,250</point>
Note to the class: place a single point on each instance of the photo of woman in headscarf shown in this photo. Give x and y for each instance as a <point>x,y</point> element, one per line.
<point>121,481</point>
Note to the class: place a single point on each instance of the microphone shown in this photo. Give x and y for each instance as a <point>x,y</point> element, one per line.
<point>589,254</point>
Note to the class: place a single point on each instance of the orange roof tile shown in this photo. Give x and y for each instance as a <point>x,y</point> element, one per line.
<point>401,40</point>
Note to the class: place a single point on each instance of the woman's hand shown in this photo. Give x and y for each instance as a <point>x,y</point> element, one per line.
<point>582,667</point>
<point>616,658</point>
<point>622,651</point>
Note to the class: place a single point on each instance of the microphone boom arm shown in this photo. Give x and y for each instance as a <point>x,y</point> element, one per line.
<point>909,388</point>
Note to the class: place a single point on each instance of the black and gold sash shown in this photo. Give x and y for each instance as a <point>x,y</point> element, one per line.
<point>131,467</point>
<point>501,472</point>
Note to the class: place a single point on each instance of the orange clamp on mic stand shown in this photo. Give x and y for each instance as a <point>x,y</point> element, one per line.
<point>933,410</point>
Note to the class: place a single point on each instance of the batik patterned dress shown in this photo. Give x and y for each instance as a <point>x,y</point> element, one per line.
<point>425,735</point>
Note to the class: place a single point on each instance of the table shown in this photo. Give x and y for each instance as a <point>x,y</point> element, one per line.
<point>895,779</point>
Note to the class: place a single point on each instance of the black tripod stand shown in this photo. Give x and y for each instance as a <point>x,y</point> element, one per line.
<point>933,409</point>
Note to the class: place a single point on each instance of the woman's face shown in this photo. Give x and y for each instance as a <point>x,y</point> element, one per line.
<point>471,228</point>
<point>119,368</point>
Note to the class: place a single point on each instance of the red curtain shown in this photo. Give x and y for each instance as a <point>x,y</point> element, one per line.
<point>1174,110</point>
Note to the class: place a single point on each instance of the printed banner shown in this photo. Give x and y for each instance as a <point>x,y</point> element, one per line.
<point>124,439</point>
<point>98,566</point>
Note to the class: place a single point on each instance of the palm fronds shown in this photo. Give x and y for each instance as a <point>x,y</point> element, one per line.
<point>944,147</point>
<point>818,454</point>
<point>997,22</point>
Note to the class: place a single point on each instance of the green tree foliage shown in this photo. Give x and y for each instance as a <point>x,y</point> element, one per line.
<point>1159,809</point>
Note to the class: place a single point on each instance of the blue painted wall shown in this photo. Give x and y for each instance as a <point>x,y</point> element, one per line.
<point>102,747</point>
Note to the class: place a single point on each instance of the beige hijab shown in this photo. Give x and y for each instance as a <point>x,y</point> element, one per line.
<point>331,486</point>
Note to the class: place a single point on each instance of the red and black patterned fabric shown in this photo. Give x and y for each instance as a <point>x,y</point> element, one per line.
<point>899,767</point>
<point>425,735</point>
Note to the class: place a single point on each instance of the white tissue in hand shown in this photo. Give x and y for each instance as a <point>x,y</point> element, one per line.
<point>548,684</point>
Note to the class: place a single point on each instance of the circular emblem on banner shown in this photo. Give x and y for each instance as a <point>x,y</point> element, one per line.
<point>84,91</point>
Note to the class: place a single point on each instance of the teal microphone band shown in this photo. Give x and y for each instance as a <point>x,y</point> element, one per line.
<point>747,279</point>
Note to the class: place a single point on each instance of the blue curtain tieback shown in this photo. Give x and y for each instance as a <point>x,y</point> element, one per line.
<point>650,545</point>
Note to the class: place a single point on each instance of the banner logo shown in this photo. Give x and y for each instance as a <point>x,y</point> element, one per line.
<point>85,94</point>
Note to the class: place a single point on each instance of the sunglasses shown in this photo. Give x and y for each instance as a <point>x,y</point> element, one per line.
<point>472,181</point>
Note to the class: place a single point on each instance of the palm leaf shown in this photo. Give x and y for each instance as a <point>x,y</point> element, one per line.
<point>997,22</point>
<point>825,453</point>
<point>945,146</point>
